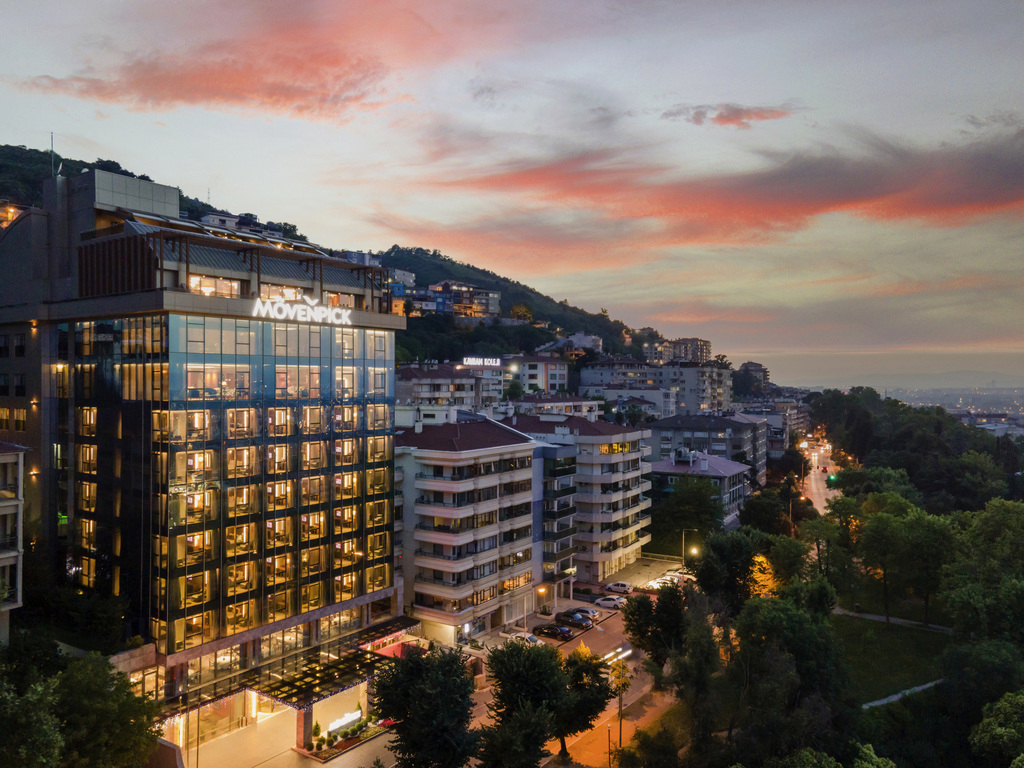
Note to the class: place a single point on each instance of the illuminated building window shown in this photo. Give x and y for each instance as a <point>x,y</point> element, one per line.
<point>213,286</point>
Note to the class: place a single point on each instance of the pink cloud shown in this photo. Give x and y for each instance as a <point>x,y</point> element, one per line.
<point>735,115</point>
<point>315,61</point>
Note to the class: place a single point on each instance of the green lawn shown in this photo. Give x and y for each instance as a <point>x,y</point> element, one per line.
<point>885,659</point>
<point>869,595</point>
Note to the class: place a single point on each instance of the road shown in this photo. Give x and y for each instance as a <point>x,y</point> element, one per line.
<point>814,487</point>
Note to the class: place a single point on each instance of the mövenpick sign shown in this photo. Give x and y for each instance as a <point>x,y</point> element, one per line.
<point>279,309</point>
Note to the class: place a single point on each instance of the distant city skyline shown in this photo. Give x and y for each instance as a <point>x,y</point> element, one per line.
<point>831,189</point>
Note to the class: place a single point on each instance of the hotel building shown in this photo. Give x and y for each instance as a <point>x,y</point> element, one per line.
<point>210,421</point>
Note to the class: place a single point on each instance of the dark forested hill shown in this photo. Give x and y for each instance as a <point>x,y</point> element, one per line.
<point>23,170</point>
<point>434,267</point>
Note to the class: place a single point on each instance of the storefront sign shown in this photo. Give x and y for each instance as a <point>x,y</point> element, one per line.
<point>278,309</point>
<point>477,362</point>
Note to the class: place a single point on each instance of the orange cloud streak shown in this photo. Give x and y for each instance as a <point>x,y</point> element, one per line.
<point>943,187</point>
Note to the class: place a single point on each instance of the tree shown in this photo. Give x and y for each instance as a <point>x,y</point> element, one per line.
<point>292,232</point>
<point>530,687</point>
<point>514,391</point>
<point>721,361</point>
<point>928,544</point>
<point>766,512</point>
<point>882,539</point>
<point>103,722</point>
<point>792,676</point>
<point>518,741</point>
<point>588,691</point>
<point>658,628</point>
<point>831,559</point>
<point>999,737</point>
<point>725,569</point>
<point>692,671</point>
<point>30,736</point>
<point>429,698</point>
<point>983,587</point>
<point>633,415</point>
<point>649,750</point>
<point>521,311</point>
<point>619,671</point>
<point>692,504</point>
<point>788,558</point>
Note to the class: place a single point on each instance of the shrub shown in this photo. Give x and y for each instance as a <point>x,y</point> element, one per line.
<point>319,746</point>
<point>320,742</point>
<point>309,746</point>
<point>330,741</point>
<point>316,729</point>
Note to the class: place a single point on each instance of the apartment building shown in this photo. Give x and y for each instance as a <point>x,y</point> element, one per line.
<point>614,372</point>
<point>738,437</point>
<point>729,477</point>
<point>209,415</point>
<point>612,512</point>
<point>471,539</point>
<point>12,502</point>
<point>540,374</point>
<point>467,300</point>
<point>570,405</point>
<point>697,388</point>
<point>688,350</point>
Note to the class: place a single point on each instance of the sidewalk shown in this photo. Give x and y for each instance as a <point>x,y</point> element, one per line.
<point>641,708</point>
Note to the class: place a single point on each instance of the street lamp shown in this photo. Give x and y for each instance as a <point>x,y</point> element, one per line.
<point>541,590</point>
<point>802,498</point>
<point>682,546</point>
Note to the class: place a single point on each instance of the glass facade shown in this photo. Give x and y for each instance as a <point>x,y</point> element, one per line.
<point>241,468</point>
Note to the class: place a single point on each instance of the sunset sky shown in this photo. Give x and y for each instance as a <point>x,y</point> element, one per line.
<point>830,188</point>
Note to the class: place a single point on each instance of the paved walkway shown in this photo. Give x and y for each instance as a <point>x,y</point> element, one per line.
<point>894,620</point>
<point>900,695</point>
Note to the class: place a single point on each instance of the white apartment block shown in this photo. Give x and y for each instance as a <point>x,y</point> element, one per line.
<point>540,374</point>
<point>469,559</point>
<point>612,513</point>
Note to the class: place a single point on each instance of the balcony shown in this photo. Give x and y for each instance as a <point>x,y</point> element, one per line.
<point>561,533</point>
<point>559,493</point>
<point>554,557</point>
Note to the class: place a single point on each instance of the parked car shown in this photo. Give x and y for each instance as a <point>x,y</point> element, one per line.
<point>664,581</point>
<point>553,631</point>
<point>525,636</point>
<point>577,620</point>
<point>619,586</point>
<point>611,602</point>
<point>586,610</point>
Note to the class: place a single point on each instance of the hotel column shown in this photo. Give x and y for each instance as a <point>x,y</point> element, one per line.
<point>303,726</point>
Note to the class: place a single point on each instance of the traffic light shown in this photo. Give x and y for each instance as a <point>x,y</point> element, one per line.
<point>831,477</point>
